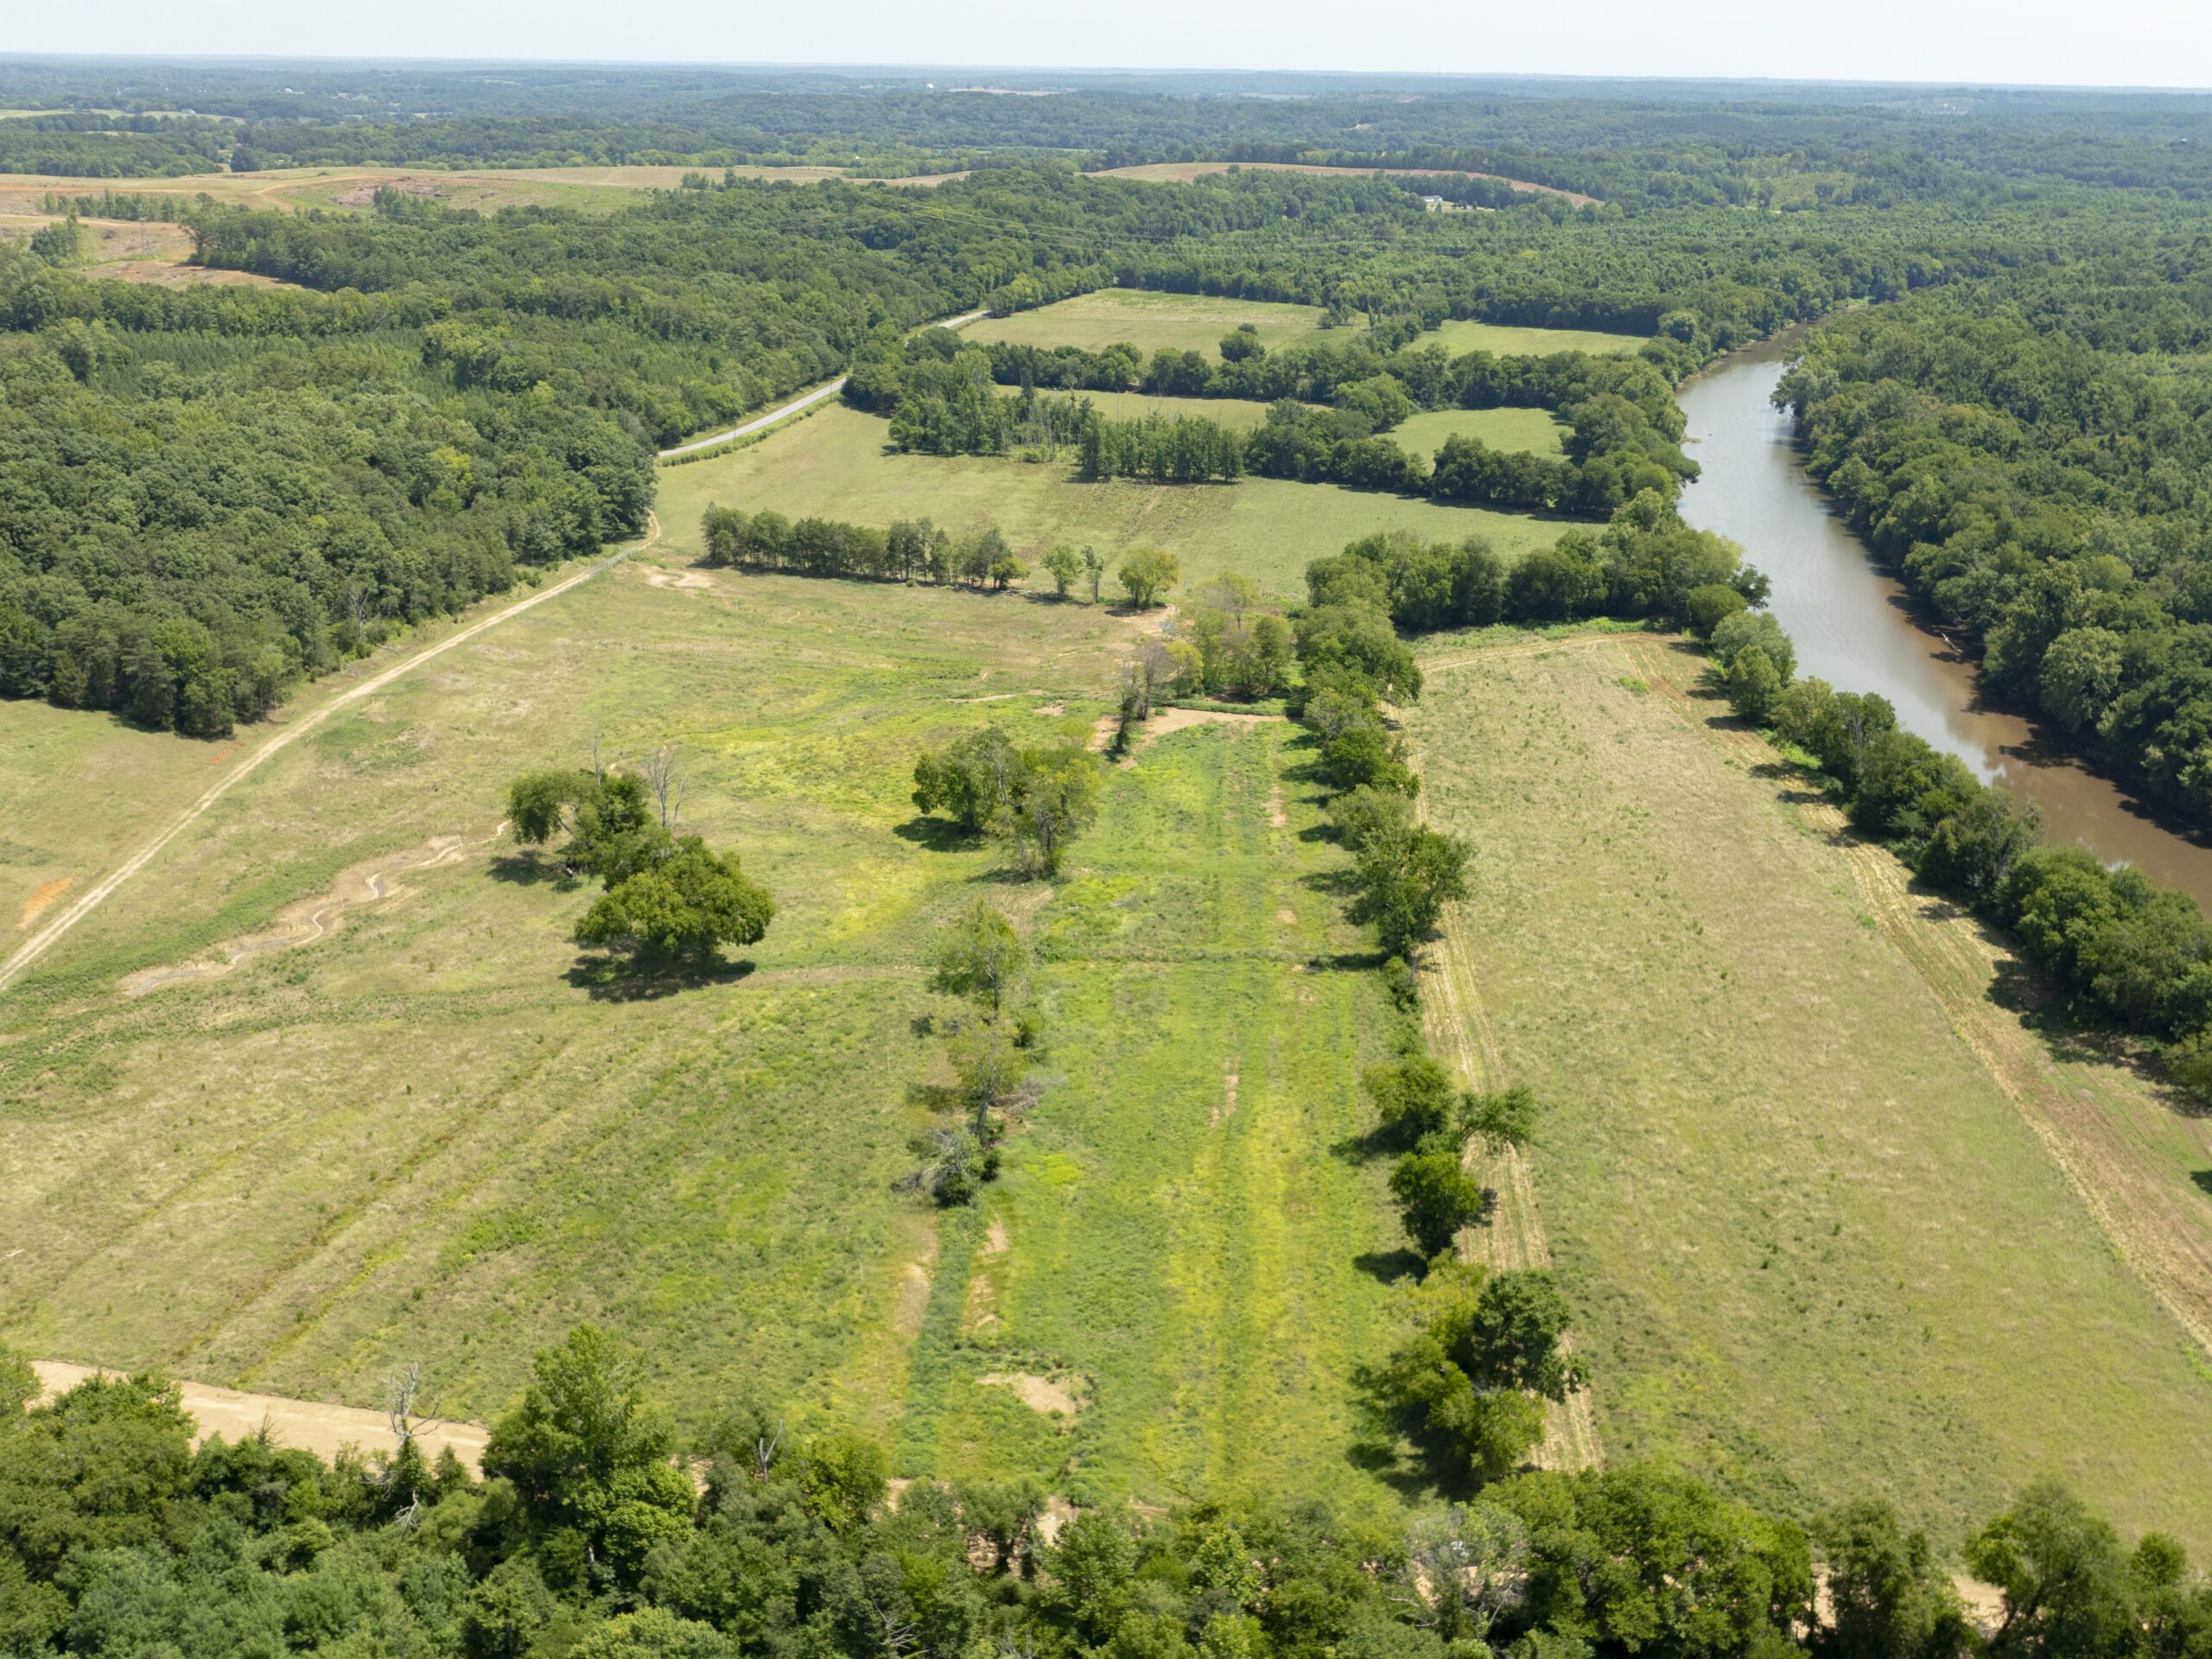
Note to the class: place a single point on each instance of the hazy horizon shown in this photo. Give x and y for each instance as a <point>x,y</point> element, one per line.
<point>2145,45</point>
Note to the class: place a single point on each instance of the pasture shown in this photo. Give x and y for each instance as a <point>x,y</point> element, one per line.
<point>1536,430</point>
<point>835,465</point>
<point>433,1134</point>
<point>1815,1248</point>
<point>1184,172</point>
<point>1148,320</point>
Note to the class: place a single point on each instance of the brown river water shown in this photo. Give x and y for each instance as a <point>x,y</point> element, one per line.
<point>1855,626</point>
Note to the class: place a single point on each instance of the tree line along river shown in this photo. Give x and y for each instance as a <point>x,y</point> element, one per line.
<point>1855,625</point>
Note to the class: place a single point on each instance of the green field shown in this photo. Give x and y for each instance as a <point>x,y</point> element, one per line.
<point>430,1137</point>
<point>1423,434</point>
<point>834,465</point>
<point>1188,323</point>
<point>1815,1251</point>
<point>1196,322</point>
<point>1459,336</point>
<point>1533,429</point>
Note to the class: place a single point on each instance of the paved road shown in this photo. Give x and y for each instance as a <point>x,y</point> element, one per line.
<point>40,942</point>
<point>805,400</point>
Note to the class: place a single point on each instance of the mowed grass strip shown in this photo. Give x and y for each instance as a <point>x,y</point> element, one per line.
<point>1178,1236</point>
<point>419,1137</point>
<point>835,465</point>
<point>1815,1251</point>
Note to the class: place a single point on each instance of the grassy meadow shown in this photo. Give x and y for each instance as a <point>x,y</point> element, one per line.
<point>1537,430</point>
<point>1150,321</point>
<point>1176,1238</point>
<point>437,1134</point>
<point>1814,1249</point>
<point>835,465</point>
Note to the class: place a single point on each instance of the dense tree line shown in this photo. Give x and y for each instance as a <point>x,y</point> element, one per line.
<point>1624,429</point>
<point>585,1537</point>
<point>2034,462</point>
<point>2127,952</point>
<point>910,550</point>
<point>189,522</point>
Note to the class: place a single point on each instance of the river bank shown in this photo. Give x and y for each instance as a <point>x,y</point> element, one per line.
<point>1856,626</point>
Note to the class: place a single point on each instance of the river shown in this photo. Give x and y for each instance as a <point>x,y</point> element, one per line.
<point>1853,625</point>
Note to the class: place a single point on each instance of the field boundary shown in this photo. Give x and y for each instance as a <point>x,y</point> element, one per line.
<point>94,896</point>
<point>1455,1021</point>
<point>2149,1223</point>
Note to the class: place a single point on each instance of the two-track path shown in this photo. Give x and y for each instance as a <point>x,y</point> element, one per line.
<point>804,400</point>
<point>91,899</point>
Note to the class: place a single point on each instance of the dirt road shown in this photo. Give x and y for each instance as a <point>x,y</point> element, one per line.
<point>804,400</point>
<point>94,896</point>
<point>308,1424</point>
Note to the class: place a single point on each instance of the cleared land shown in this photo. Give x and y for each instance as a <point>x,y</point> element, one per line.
<point>1815,1247</point>
<point>588,189</point>
<point>1184,172</point>
<point>1177,1244</point>
<point>1460,335</point>
<point>433,1134</point>
<point>834,465</point>
<point>1533,429</point>
<point>134,251</point>
<point>1188,323</point>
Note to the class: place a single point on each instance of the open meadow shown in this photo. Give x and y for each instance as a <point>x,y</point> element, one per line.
<point>835,465</point>
<point>434,1133</point>
<point>1815,1248</point>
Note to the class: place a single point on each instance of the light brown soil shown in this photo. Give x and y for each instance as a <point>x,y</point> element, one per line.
<point>689,581</point>
<point>40,896</point>
<point>1166,721</point>
<point>1277,818</point>
<point>1227,1107</point>
<point>1042,1395</point>
<point>307,1424</point>
<point>1286,916</point>
<point>1184,172</point>
<point>306,921</point>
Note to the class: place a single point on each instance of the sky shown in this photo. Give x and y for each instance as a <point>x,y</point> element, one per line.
<point>2052,42</point>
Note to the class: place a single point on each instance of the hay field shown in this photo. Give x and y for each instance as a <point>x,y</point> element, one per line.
<point>433,1135</point>
<point>1816,1248</point>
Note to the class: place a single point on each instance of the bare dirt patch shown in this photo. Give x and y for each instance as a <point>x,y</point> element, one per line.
<point>42,896</point>
<point>308,1424</point>
<point>363,194</point>
<point>309,919</point>
<point>1277,818</point>
<point>1225,1107</point>
<point>687,580</point>
<point>1041,1395</point>
<point>1166,721</point>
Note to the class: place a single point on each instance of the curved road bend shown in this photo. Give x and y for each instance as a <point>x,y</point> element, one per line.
<point>804,400</point>
<point>47,937</point>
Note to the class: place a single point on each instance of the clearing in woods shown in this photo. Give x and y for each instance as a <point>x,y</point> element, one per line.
<point>1184,172</point>
<point>1196,322</point>
<point>438,1134</point>
<point>1814,1247</point>
<point>834,465</point>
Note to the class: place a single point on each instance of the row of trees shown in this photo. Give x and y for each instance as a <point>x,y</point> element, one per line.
<point>584,1537</point>
<point>1623,429</point>
<point>911,549</point>
<point>2129,952</point>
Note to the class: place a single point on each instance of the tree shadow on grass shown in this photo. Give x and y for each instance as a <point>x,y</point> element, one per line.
<point>529,870</point>
<point>938,834</point>
<point>1347,962</point>
<point>626,979</point>
<point>1389,1267</point>
<point>2204,1179</point>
